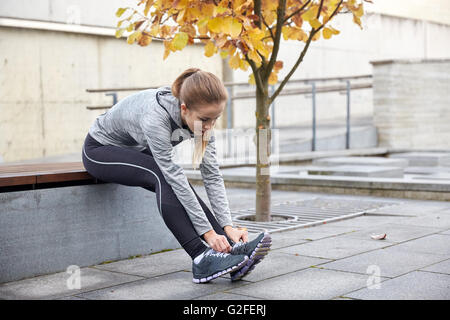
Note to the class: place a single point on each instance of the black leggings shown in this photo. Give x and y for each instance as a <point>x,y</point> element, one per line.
<point>133,168</point>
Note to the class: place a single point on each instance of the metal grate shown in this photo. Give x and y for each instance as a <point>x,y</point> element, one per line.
<point>307,213</point>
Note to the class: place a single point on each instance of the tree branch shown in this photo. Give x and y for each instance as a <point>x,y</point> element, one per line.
<point>296,12</point>
<point>300,58</point>
<point>252,64</point>
<point>281,10</point>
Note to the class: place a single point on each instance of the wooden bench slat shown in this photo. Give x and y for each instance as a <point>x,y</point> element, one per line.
<point>36,173</point>
<point>17,181</point>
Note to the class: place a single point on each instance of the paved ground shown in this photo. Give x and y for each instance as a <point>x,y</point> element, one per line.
<point>338,260</point>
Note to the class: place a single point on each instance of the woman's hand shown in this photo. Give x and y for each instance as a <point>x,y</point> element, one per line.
<point>217,242</point>
<point>236,234</point>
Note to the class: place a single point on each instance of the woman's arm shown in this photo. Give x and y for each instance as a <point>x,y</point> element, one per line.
<point>157,131</point>
<point>214,185</point>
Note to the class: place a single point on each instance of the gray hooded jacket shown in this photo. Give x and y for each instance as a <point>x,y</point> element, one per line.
<point>151,118</point>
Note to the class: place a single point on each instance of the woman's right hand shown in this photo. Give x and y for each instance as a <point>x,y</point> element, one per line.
<point>217,242</point>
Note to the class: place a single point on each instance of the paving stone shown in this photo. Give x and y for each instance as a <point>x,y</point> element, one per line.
<point>334,248</point>
<point>152,265</point>
<point>312,283</point>
<point>277,263</point>
<point>440,220</point>
<point>440,267</point>
<point>395,232</point>
<point>392,261</point>
<point>226,296</point>
<point>370,161</point>
<point>176,286</point>
<point>56,285</point>
<point>302,235</point>
<point>365,221</point>
<point>413,208</point>
<point>416,285</point>
<point>357,171</point>
<point>435,243</point>
<point>281,240</point>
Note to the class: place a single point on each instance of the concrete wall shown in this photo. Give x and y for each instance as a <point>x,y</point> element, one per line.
<point>347,54</point>
<point>45,231</point>
<point>411,103</point>
<point>44,76</point>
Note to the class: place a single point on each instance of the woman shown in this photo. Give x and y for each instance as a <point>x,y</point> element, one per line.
<point>131,144</point>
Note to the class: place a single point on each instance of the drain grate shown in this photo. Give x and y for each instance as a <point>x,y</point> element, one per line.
<point>307,213</point>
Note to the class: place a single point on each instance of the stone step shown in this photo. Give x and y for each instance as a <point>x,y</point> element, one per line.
<point>357,171</point>
<point>361,161</point>
<point>362,137</point>
<point>426,170</point>
<point>423,159</point>
<point>435,176</point>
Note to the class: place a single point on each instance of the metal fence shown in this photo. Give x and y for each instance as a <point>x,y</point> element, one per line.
<point>314,87</point>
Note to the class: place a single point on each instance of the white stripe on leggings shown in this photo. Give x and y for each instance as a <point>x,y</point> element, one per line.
<point>131,165</point>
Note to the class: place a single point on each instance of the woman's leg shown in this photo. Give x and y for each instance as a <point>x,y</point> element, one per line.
<point>133,168</point>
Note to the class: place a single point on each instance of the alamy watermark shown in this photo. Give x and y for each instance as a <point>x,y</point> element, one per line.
<point>74,280</point>
<point>374,280</point>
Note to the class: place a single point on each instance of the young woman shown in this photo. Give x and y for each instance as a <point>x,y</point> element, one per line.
<point>132,143</point>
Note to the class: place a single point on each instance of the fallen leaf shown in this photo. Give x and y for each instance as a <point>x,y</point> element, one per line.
<point>378,236</point>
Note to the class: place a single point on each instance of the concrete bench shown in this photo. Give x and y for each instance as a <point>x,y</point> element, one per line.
<point>55,215</point>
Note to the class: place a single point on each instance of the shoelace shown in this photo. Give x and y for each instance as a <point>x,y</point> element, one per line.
<point>238,245</point>
<point>216,254</point>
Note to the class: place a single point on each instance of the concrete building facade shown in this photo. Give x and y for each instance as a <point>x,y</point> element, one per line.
<point>52,51</point>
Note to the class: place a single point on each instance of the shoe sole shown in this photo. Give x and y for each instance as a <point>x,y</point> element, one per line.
<point>256,257</point>
<point>218,274</point>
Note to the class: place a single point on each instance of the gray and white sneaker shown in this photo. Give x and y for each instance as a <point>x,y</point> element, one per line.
<point>256,250</point>
<point>212,264</point>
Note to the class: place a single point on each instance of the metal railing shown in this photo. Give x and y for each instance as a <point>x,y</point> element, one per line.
<point>313,89</point>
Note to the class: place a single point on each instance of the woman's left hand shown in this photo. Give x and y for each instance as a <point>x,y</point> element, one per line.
<point>236,234</point>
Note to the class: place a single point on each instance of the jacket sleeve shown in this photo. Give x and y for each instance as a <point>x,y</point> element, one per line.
<point>158,133</point>
<point>214,185</point>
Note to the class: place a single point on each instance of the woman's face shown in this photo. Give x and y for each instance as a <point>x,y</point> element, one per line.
<point>202,117</point>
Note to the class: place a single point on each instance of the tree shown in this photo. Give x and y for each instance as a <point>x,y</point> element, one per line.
<point>248,32</point>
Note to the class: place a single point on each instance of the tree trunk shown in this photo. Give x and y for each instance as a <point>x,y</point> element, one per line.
<point>263,137</point>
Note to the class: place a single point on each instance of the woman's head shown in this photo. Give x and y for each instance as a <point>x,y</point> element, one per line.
<point>202,98</point>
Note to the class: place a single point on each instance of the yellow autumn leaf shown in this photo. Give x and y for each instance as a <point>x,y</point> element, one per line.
<point>119,32</point>
<point>166,49</point>
<point>254,56</point>
<point>236,28</point>
<point>311,13</point>
<point>327,33</point>
<point>144,40</point>
<point>216,25</point>
<point>315,23</point>
<point>251,79</point>
<point>243,65</point>
<point>357,21</point>
<point>360,11</point>
<point>285,31</point>
<point>210,49</point>
<point>278,66</point>
<point>180,41</point>
<point>333,30</point>
<point>120,11</point>
<point>273,78</point>
<point>223,54</point>
<point>234,61</point>
<point>132,37</point>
